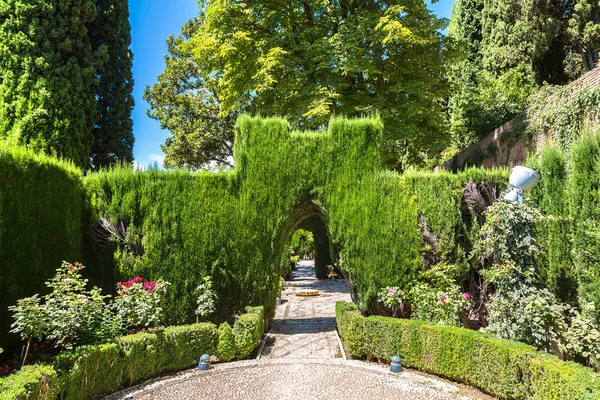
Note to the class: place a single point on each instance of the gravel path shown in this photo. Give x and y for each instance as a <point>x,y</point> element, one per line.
<point>301,359</point>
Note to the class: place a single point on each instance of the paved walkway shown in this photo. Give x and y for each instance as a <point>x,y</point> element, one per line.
<point>305,327</point>
<point>301,359</point>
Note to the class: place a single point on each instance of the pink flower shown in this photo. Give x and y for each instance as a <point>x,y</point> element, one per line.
<point>442,299</point>
<point>392,292</point>
<point>137,280</point>
<point>118,284</point>
<point>467,296</point>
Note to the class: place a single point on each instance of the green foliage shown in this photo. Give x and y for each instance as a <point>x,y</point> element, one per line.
<point>206,299</point>
<point>508,53</point>
<point>110,37</point>
<point>393,301</point>
<point>37,382</point>
<point>554,111</point>
<point>235,225</point>
<point>93,371</point>
<point>509,235</point>
<point>46,73</point>
<point>583,335</point>
<point>583,32</point>
<point>226,348</point>
<point>378,57</point>
<point>499,367</point>
<point>556,263</point>
<point>584,211</point>
<point>440,306</point>
<point>521,310</point>
<point>41,210</point>
<point>132,359</point>
<point>281,286</point>
<point>248,329</point>
<point>303,243</point>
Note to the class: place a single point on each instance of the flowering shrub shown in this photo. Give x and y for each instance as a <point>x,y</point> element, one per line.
<point>70,315</point>
<point>439,306</point>
<point>73,313</point>
<point>520,310</point>
<point>206,300</point>
<point>138,302</point>
<point>393,301</point>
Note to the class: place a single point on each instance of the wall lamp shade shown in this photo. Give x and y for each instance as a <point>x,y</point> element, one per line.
<point>522,179</point>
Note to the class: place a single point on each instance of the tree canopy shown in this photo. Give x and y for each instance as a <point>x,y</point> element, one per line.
<point>306,61</point>
<point>65,78</point>
<point>510,50</point>
<point>112,133</point>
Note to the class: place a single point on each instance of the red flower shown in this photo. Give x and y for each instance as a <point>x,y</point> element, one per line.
<point>442,299</point>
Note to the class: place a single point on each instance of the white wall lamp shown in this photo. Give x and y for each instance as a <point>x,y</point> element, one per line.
<point>522,179</point>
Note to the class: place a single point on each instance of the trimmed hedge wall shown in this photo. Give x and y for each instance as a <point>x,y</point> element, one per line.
<point>93,371</point>
<point>503,368</point>
<point>42,202</point>
<point>234,225</point>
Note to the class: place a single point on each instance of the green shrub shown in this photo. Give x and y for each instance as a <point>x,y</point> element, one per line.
<point>92,371</point>
<point>584,204</point>
<point>499,367</point>
<point>234,226</point>
<point>32,382</point>
<point>226,348</point>
<point>41,210</point>
<point>248,330</point>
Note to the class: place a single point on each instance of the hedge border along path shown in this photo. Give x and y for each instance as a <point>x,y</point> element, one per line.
<point>93,371</point>
<point>502,368</point>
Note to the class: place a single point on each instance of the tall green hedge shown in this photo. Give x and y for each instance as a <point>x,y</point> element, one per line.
<point>584,198</point>
<point>42,203</point>
<point>503,368</point>
<point>235,225</point>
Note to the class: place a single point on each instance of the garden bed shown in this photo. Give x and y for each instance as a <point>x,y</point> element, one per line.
<point>502,368</point>
<point>94,371</point>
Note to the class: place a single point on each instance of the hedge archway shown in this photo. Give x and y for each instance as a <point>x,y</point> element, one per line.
<point>233,225</point>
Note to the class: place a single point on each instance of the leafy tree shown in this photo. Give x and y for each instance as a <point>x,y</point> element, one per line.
<point>46,71</point>
<point>509,50</point>
<point>186,100</point>
<point>584,37</point>
<point>307,61</point>
<point>110,36</point>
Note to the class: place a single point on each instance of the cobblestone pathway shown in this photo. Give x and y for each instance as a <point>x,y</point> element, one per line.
<point>305,327</point>
<point>301,360</point>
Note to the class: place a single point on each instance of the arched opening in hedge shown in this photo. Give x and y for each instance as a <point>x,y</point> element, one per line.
<point>312,217</point>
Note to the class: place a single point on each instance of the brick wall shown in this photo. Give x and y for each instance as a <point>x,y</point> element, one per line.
<point>503,147</point>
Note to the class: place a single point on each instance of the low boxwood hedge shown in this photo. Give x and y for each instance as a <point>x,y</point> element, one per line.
<point>503,368</point>
<point>93,371</point>
<point>248,330</point>
<point>35,382</point>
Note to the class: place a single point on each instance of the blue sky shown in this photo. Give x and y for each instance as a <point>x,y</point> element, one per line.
<point>152,21</point>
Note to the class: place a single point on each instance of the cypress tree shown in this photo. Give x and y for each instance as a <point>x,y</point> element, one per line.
<point>46,72</point>
<point>110,35</point>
